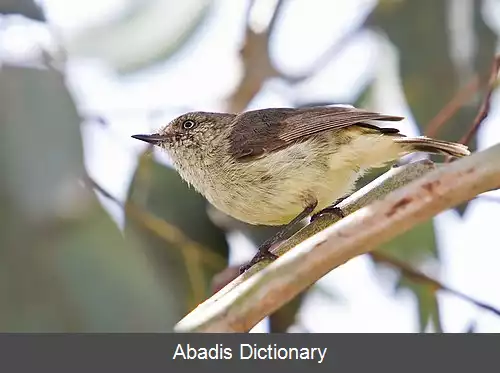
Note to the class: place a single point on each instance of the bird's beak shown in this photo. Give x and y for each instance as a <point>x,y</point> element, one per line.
<point>154,139</point>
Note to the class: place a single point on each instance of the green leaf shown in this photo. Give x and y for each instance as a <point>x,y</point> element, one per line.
<point>64,265</point>
<point>41,147</point>
<point>416,246</point>
<point>427,303</point>
<point>171,221</point>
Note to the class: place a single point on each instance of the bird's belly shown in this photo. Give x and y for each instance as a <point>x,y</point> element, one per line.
<point>277,202</point>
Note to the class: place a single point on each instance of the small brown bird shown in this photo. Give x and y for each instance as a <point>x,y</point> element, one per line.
<point>277,166</point>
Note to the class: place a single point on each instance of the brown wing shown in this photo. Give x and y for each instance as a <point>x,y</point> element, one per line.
<point>262,131</point>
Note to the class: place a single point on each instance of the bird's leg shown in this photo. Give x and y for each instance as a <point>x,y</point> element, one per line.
<point>332,209</point>
<point>281,235</point>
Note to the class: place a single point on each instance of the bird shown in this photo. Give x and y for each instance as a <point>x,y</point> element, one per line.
<point>277,166</point>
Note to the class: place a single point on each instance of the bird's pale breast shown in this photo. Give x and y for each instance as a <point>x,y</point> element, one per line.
<point>274,189</point>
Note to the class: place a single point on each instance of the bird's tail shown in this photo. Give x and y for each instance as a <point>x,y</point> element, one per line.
<point>433,146</point>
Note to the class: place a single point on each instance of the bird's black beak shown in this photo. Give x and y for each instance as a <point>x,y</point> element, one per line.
<point>154,139</point>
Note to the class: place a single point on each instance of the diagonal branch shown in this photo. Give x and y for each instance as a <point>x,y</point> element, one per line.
<point>417,276</point>
<point>485,106</point>
<point>245,305</point>
<point>324,59</point>
<point>193,252</point>
<point>257,64</point>
<point>377,189</point>
<point>451,108</point>
<point>160,227</point>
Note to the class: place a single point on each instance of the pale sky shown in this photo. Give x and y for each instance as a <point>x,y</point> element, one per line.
<point>204,73</point>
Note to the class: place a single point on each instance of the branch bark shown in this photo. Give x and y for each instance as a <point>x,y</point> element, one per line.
<point>377,189</point>
<point>242,307</point>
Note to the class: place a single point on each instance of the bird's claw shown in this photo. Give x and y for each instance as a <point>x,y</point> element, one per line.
<point>260,256</point>
<point>329,210</point>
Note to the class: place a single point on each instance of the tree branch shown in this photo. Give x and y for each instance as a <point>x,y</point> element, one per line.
<point>461,97</point>
<point>417,276</point>
<point>377,189</point>
<point>452,107</point>
<point>326,57</point>
<point>246,304</point>
<point>257,64</point>
<point>485,106</point>
<point>163,229</point>
<point>391,180</point>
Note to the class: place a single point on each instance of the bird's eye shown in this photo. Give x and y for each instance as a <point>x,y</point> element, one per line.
<point>188,124</point>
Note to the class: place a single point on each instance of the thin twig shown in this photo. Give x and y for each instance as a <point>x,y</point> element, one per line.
<point>485,106</point>
<point>328,55</point>
<point>257,64</point>
<point>417,276</point>
<point>193,252</point>
<point>195,274</point>
<point>484,109</point>
<point>451,108</point>
<point>89,181</point>
<point>160,227</point>
<point>173,235</point>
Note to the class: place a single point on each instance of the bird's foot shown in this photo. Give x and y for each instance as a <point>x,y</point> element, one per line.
<point>329,210</point>
<point>261,255</point>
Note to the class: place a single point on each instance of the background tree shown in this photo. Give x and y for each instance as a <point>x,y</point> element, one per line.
<point>98,233</point>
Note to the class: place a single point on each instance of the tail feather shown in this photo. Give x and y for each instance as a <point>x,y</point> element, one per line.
<point>433,146</point>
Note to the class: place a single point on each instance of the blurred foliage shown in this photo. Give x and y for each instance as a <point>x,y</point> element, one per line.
<point>146,33</point>
<point>281,320</point>
<point>64,265</point>
<point>25,8</point>
<point>191,250</point>
<point>415,247</point>
<point>427,303</point>
<point>430,76</point>
<point>471,328</point>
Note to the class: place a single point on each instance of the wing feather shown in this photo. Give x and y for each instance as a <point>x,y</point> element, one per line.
<point>261,131</point>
